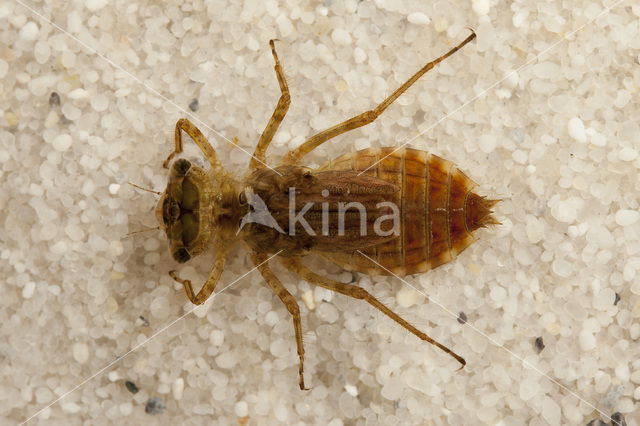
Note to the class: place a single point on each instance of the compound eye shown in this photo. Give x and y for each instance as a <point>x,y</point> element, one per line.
<point>181,255</point>
<point>181,166</point>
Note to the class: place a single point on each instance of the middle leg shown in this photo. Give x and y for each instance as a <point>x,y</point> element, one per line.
<point>259,158</point>
<point>294,265</point>
<point>289,302</point>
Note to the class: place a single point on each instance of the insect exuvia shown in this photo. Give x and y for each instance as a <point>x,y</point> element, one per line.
<point>376,211</point>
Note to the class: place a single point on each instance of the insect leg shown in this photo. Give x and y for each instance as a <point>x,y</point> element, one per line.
<point>356,292</point>
<point>199,139</point>
<point>258,158</point>
<point>294,156</point>
<point>289,302</point>
<point>209,285</point>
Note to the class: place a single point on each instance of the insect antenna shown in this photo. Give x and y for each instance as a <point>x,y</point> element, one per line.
<point>145,189</point>
<point>142,230</point>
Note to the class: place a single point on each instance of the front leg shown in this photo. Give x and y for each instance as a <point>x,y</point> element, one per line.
<point>259,158</point>
<point>290,303</point>
<point>210,284</point>
<point>199,139</point>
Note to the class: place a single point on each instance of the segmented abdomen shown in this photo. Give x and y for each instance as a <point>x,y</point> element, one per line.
<point>437,210</point>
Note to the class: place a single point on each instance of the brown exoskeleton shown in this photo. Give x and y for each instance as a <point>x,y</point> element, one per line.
<point>291,210</point>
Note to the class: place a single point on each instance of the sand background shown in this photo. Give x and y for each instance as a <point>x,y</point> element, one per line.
<point>541,110</point>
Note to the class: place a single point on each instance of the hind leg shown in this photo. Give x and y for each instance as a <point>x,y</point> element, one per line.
<point>294,265</point>
<point>294,156</point>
